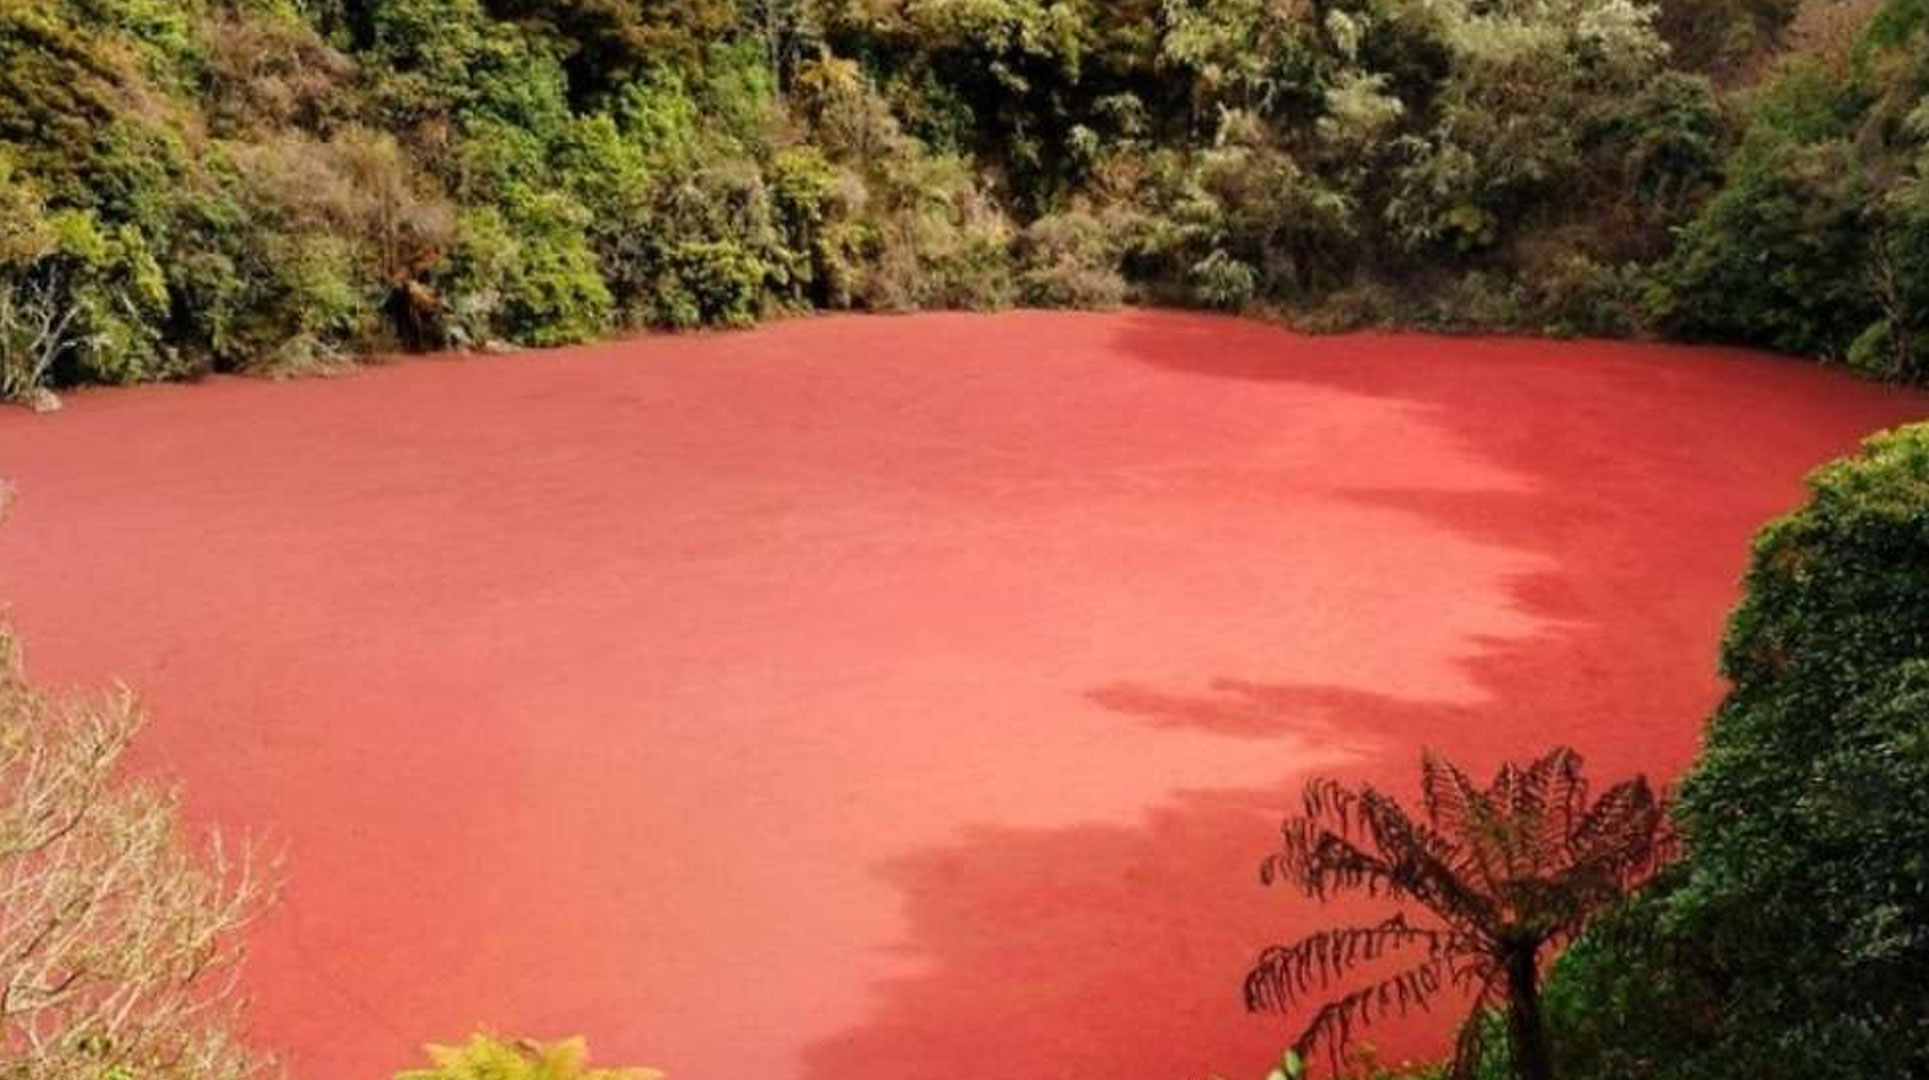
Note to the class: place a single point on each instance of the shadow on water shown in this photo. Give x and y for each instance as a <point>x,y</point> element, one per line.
<point>1116,950</point>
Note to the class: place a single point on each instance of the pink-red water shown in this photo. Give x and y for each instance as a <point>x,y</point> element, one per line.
<point>879,699</point>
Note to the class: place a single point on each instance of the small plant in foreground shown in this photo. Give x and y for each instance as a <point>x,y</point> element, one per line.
<point>485,1057</point>
<point>1508,873</point>
<point>1361,1062</point>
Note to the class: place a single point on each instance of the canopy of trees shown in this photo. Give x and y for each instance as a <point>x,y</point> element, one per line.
<point>270,185</point>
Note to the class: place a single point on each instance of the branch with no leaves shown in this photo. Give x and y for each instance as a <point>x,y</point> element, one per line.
<point>119,936</point>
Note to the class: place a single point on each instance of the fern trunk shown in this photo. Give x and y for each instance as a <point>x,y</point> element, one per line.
<point>1526,1030</point>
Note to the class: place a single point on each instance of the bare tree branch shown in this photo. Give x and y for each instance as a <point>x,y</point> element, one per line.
<point>119,936</point>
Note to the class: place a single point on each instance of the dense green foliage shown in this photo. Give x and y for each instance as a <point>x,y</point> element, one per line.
<point>1819,241</point>
<point>268,185</point>
<point>255,185</point>
<point>1792,940</point>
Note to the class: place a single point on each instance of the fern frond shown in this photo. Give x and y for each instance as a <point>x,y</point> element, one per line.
<point>1286,973</point>
<point>1336,1022</point>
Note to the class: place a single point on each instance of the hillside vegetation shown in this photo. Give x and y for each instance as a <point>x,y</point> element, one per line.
<point>1791,940</point>
<point>275,185</point>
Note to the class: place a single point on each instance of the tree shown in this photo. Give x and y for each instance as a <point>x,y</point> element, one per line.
<point>120,937</point>
<point>72,292</point>
<point>787,30</point>
<point>610,42</point>
<point>1791,940</point>
<point>34,323</point>
<point>1508,873</point>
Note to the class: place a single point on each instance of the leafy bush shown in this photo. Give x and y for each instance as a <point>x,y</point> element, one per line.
<point>1222,281</point>
<point>1723,35</point>
<point>710,282</point>
<point>805,199</point>
<point>1662,143</point>
<point>264,71</point>
<point>607,44</point>
<point>1791,942</point>
<point>1255,206</point>
<point>1070,259</point>
<point>1576,296</point>
<point>85,306</point>
<point>301,244</point>
<point>1778,257</point>
<point>485,1057</point>
<point>37,314</point>
<point>527,275</point>
<point>1360,1062</point>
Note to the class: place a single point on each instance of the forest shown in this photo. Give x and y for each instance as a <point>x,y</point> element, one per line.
<point>273,186</point>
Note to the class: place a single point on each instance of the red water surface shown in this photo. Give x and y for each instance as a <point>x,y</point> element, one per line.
<point>879,699</point>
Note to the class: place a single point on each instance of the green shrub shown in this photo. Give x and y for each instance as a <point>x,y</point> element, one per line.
<point>294,245</point>
<point>1254,220</point>
<point>78,117</point>
<point>1663,143</point>
<point>430,63</point>
<point>88,306</point>
<point>686,225</point>
<point>715,282</point>
<point>485,1057</point>
<point>1722,35</point>
<point>608,44</point>
<point>264,70</point>
<point>804,195</point>
<point>528,275</point>
<point>1070,259</point>
<point>29,298</point>
<point>1358,1062</point>
<point>1577,296</point>
<point>1896,346</point>
<point>476,280</point>
<point>1779,257</point>
<point>1439,199</point>
<point>1357,306</point>
<point>1477,300</point>
<point>1792,940</point>
<point>556,294</point>
<point>1222,281</point>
